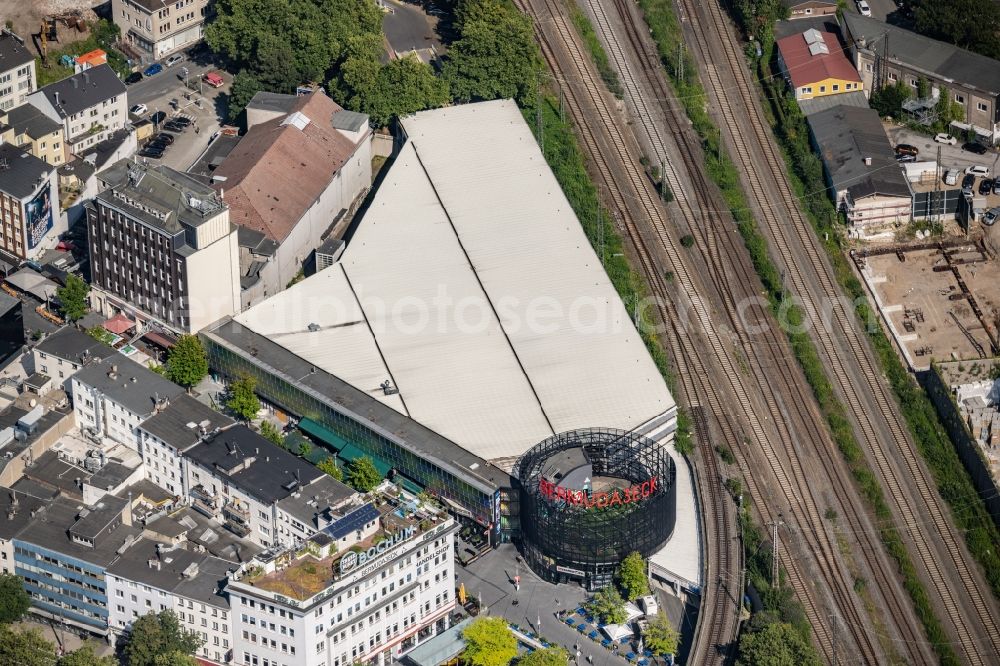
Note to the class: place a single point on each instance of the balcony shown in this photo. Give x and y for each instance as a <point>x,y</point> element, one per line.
<point>237,512</point>
<point>239,529</point>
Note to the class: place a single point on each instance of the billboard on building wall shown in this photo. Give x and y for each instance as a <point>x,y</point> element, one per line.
<point>39,216</point>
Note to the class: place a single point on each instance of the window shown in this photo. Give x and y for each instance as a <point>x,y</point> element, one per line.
<point>981,106</point>
<point>822,89</point>
<point>836,87</point>
<point>960,98</point>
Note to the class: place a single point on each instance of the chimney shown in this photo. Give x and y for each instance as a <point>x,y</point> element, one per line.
<point>222,193</point>
<point>868,161</point>
<point>76,82</point>
<point>58,103</point>
<point>86,78</point>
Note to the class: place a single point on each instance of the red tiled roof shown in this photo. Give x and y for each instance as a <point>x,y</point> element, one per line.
<point>277,171</point>
<point>805,68</point>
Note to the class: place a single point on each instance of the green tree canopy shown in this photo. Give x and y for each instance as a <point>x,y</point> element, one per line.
<point>608,606</point>
<point>970,24</point>
<point>14,601</point>
<point>242,399</point>
<point>553,656</point>
<point>330,466</point>
<point>495,55</point>
<point>175,658</point>
<point>245,86</point>
<point>271,433</point>
<point>362,474</point>
<point>102,334</point>
<point>660,636</point>
<point>187,363</point>
<point>73,298</point>
<point>888,100</point>
<point>632,576</point>
<point>85,656</point>
<point>304,448</point>
<point>156,634</point>
<point>776,644</point>
<point>25,648</point>
<point>488,642</point>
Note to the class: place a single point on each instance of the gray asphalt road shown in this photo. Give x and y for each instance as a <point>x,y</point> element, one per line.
<point>407,28</point>
<point>952,157</point>
<point>880,8</point>
<point>164,85</point>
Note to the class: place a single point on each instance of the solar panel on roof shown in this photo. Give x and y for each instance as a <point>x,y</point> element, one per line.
<point>352,521</point>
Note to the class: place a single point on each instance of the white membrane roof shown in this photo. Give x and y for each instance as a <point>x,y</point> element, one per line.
<point>471,287</point>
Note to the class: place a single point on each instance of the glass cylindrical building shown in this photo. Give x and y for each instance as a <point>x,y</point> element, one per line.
<point>590,497</point>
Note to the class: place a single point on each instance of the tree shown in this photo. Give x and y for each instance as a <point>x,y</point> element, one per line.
<point>25,648</point>
<point>488,642</point>
<point>608,606</point>
<point>245,86</point>
<point>158,634</point>
<point>242,399</point>
<point>923,88</point>
<point>85,656</point>
<point>660,636</point>
<point>970,24</point>
<point>14,601</point>
<point>72,298</point>
<point>175,658</point>
<point>187,363</point>
<point>495,56</point>
<point>362,474</point>
<point>102,334</point>
<point>329,465</point>
<point>777,644</point>
<point>271,433</point>
<point>304,448</point>
<point>632,576</point>
<point>553,656</point>
<point>888,100</point>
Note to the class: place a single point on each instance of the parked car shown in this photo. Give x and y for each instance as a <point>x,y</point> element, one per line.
<point>213,79</point>
<point>158,117</point>
<point>138,110</point>
<point>181,120</point>
<point>173,60</point>
<point>986,186</point>
<point>153,69</point>
<point>975,147</point>
<point>996,186</point>
<point>951,178</point>
<point>991,217</point>
<point>149,151</point>
<point>907,149</point>
<point>134,77</point>
<point>165,138</point>
<point>978,170</point>
<point>863,8</point>
<point>174,127</point>
<point>904,157</point>
<point>967,183</point>
<point>946,138</point>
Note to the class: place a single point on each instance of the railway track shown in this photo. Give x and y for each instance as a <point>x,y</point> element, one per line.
<point>697,388</point>
<point>955,582</point>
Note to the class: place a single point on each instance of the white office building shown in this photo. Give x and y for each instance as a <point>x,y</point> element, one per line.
<point>326,604</point>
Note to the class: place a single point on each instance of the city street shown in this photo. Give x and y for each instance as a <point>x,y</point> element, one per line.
<point>952,157</point>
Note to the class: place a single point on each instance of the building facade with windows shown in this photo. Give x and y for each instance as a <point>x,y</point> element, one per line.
<point>91,106</point>
<point>162,249</point>
<point>814,65</point>
<point>366,605</point>
<point>17,70</point>
<point>156,28</point>
<point>112,397</point>
<point>30,219</point>
<point>151,577</point>
<point>63,353</point>
<point>28,128</point>
<point>884,54</point>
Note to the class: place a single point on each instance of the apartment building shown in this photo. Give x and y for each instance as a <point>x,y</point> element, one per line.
<point>17,70</point>
<point>162,249</point>
<point>63,353</point>
<point>381,583</point>
<point>150,577</point>
<point>886,53</point>
<point>156,28</point>
<point>29,203</point>
<point>17,509</point>
<point>28,128</point>
<point>112,397</point>
<point>91,106</point>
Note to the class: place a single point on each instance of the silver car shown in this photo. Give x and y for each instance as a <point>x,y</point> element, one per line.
<point>991,217</point>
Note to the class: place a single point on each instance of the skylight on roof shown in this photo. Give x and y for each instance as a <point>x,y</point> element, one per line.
<point>298,119</point>
<point>812,36</point>
<point>816,49</point>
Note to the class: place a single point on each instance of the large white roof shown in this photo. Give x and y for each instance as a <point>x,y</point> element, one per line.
<point>470,285</point>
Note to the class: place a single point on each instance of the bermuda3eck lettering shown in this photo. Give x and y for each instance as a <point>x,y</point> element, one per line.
<point>600,500</point>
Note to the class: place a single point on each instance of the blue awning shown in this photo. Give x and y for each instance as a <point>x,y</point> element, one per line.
<point>323,434</point>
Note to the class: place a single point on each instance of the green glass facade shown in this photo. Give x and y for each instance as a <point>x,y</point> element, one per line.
<point>305,403</point>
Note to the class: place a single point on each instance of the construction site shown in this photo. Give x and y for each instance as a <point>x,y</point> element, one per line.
<point>938,299</point>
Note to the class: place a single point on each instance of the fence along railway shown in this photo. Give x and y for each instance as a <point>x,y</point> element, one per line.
<point>955,582</point>
<point>571,66</point>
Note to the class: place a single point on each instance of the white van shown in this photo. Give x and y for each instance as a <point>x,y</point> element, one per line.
<point>951,177</point>
<point>978,170</point>
<point>863,8</point>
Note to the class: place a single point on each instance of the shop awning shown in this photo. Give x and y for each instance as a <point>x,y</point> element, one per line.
<point>350,453</point>
<point>324,434</point>
<point>158,339</point>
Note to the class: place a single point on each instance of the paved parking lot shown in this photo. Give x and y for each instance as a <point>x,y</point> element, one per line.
<point>206,106</point>
<point>952,157</point>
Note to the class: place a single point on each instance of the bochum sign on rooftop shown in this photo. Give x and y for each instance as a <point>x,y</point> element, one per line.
<point>351,560</point>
